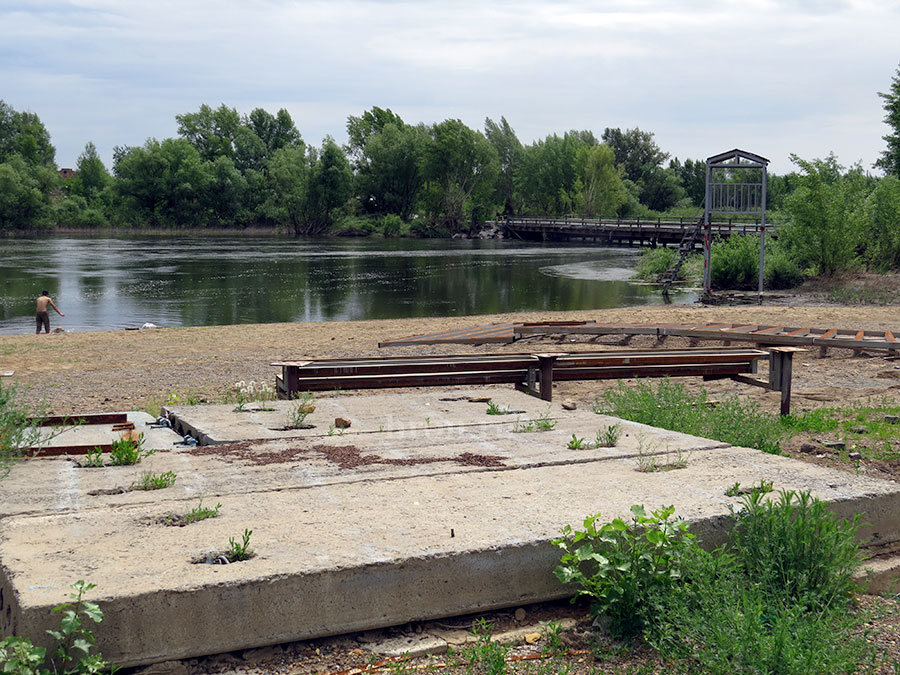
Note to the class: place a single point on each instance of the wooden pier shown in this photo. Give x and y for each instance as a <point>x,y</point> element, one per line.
<point>621,231</point>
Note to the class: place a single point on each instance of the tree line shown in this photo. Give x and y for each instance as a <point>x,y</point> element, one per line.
<point>227,170</point>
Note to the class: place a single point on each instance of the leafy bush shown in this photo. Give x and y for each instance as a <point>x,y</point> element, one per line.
<point>734,262</point>
<point>654,262</point>
<point>670,406</point>
<point>18,428</point>
<point>774,600</point>
<point>392,225</point>
<point>794,548</point>
<point>620,566</point>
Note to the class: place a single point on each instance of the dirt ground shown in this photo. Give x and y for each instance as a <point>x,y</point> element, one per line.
<point>138,370</point>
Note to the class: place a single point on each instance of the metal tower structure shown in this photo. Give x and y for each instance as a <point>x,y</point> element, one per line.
<point>735,185</point>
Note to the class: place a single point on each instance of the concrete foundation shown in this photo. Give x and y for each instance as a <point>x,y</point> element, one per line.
<point>422,508</point>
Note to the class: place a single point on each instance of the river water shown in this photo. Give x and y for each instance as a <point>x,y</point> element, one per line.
<point>113,283</point>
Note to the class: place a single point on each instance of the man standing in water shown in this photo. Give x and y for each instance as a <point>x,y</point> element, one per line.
<point>43,318</point>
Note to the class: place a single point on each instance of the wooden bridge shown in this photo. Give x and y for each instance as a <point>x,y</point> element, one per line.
<point>622,231</point>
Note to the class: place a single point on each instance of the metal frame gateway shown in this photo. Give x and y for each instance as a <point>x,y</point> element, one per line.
<point>724,195</point>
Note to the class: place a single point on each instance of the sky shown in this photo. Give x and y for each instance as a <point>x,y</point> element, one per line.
<point>772,77</point>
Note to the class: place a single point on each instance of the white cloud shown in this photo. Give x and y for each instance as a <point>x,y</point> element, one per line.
<point>774,76</point>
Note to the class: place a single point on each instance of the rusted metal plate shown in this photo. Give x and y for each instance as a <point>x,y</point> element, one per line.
<point>501,333</point>
<point>92,418</point>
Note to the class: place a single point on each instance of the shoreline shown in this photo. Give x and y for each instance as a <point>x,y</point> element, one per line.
<point>132,370</point>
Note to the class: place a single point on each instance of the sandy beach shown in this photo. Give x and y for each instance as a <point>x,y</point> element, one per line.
<point>136,370</point>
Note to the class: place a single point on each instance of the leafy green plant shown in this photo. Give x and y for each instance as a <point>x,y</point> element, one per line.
<point>552,632</point>
<point>774,600</point>
<point>20,425</point>
<point>669,405</point>
<point>72,656</point>
<point>609,436</point>
<point>127,451</point>
<point>195,515</point>
<point>494,409</point>
<point>93,458</point>
<point>619,564</point>
<point>795,547</point>
<point>485,655</point>
<point>240,551</point>
<point>734,490</point>
<point>154,481</point>
<point>575,443</point>
<point>301,407</point>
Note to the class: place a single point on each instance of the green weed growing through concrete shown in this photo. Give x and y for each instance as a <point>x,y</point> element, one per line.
<point>72,656</point>
<point>154,481</point>
<point>240,551</point>
<point>195,515</point>
<point>127,451</point>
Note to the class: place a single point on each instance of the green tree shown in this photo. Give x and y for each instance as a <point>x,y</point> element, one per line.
<point>460,167</point>
<point>692,175</point>
<point>361,129</point>
<point>288,172</point>
<point>211,132</point>
<point>598,185</point>
<point>275,131</point>
<point>509,153</point>
<point>546,176</point>
<point>826,215</point>
<point>22,201</point>
<point>882,236</point>
<point>389,170</point>
<point>330,186</point>
<point>92,179</point>
<point>635,150</point>
<point>890,157</point>
<point>164,184</point>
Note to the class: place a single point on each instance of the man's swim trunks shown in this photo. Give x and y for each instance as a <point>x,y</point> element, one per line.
<point>43,319</point>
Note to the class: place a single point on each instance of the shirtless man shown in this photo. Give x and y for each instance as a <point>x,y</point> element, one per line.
<point>43,318</point>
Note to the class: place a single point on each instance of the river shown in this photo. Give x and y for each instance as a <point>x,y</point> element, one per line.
<point>103,283</point>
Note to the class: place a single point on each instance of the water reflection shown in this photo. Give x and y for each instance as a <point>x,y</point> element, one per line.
<point>103,283</point>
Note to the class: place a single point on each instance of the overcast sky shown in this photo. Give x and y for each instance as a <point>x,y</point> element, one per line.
<point>772,77</point>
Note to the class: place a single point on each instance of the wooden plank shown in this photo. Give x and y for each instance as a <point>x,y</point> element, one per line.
<point>770,329</point>
<point>889,336</point>
<point>859,335</point>
<point>829,333</point>
<point>798,331</point>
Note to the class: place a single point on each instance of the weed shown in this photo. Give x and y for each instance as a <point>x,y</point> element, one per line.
<point>237,552</point>
<point>299,410</point>
<point>72,656</point>
<point>575,443</point>
<point>93,458</point>
<point>154,481</point>
<point>126,451</point>
<point>485,655</point>
<point>609,437</point>
<point>20,425</point>
<point>795,547</point>
<point>196,514</point>
<point>552,631</point>
<point>494,409</point>
<point>669,406</point>
<point>764,487</point>
<point>619,564</point>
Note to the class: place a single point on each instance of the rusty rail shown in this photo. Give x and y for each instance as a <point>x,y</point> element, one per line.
<point>533,373</point>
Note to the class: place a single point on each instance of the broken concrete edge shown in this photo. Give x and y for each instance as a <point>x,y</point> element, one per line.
<point>404,590</point>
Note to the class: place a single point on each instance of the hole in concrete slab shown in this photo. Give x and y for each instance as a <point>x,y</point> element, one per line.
<point>302,426</point>
<point>216,558</point>
<point>109,491</point>
<point>247,410</point>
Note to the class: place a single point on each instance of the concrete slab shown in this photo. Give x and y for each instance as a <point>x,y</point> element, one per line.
<point>103,434</point>
<point>365,530</point>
